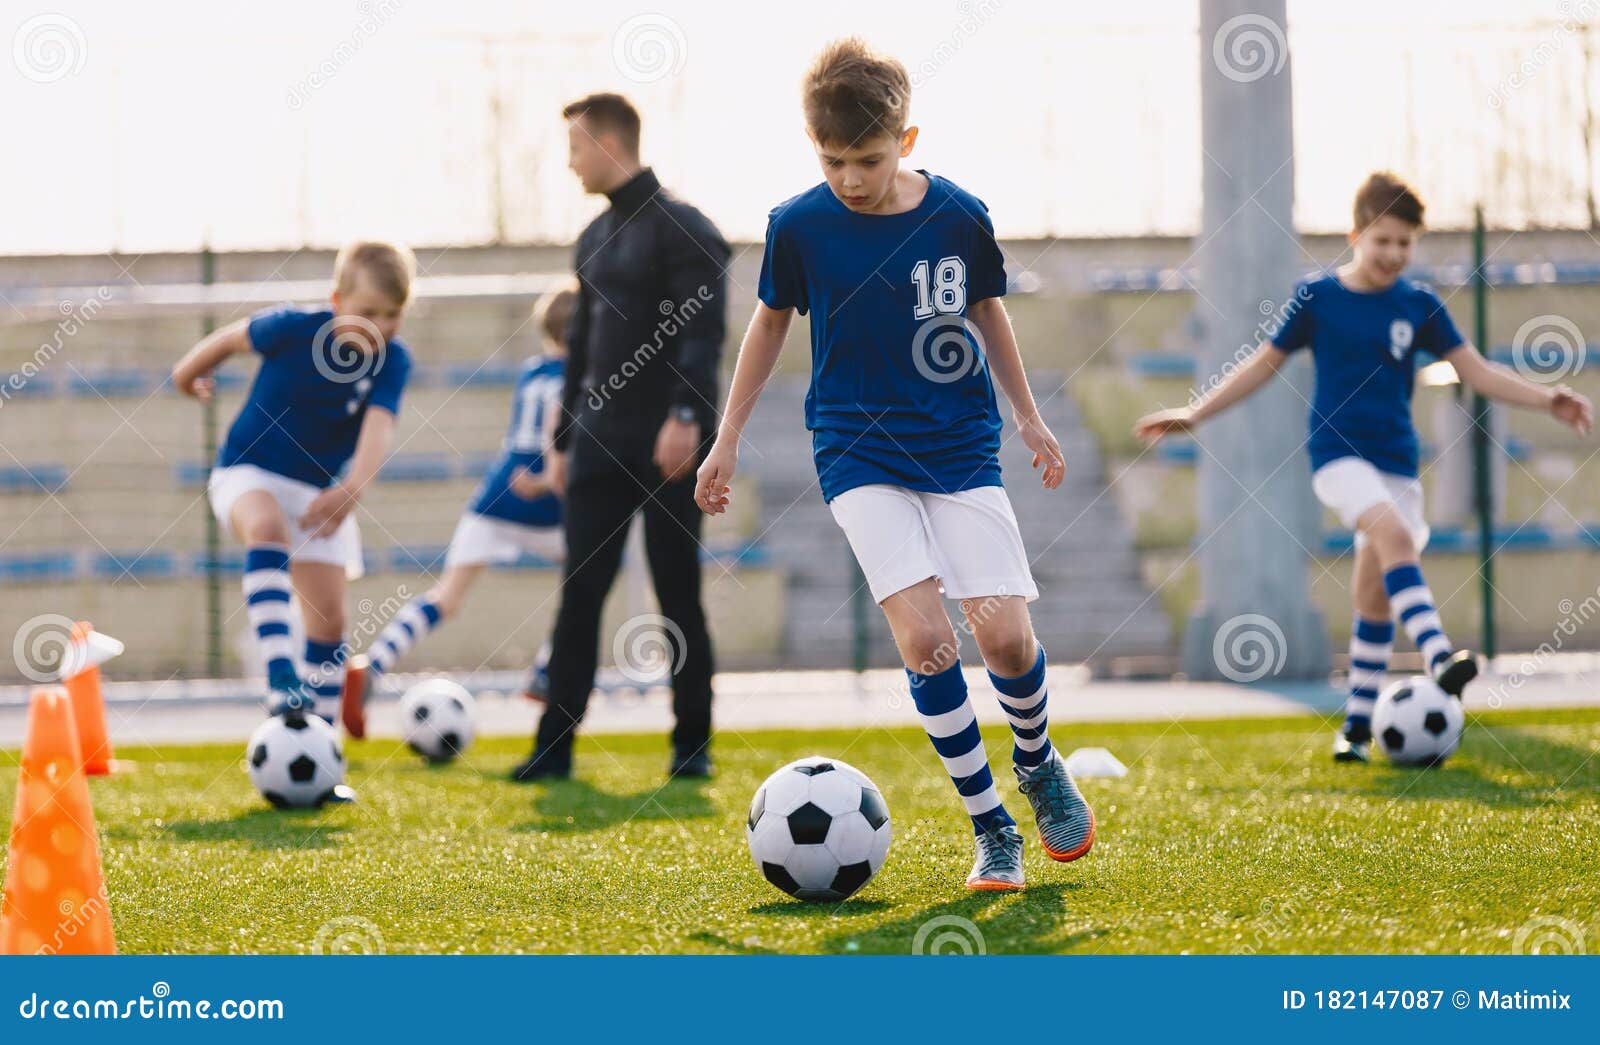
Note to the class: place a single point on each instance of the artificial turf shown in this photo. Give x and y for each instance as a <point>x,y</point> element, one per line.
<point>1224,837</point>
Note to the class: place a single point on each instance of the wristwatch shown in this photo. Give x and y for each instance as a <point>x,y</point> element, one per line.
<point>684,415</point>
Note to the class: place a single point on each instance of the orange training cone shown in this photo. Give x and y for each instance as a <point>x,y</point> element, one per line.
<point>55,895</point>
<point>89,708</point>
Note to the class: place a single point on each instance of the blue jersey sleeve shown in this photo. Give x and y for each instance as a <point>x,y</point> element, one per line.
<point>390,383</point>
<point>782,284</point>
<point>986,267</point>
<point>270,329</point>
<point>1438,333</point>
<point>1296,330</point>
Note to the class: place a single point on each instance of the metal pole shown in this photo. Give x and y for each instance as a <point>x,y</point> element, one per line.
<point>1257,517</point>
<point>1481,486</point>
<point>208,423</point>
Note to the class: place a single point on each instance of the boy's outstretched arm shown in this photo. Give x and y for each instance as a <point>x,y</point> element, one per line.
<point>191,375</point>
<point>1500,382</point>
<point>328,508</point>
<point>1005,363</point>
<point>758,354</point>
<point>1256,371</point>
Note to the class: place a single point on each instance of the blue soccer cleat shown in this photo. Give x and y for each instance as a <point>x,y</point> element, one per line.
<point>1066,823</point>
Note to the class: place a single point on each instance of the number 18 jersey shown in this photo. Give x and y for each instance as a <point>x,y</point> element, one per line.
<point>900,389</point>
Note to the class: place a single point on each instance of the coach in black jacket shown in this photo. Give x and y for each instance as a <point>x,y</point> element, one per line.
<point>639,410</point>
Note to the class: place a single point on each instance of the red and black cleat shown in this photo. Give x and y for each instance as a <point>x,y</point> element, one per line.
<point>353,697</point>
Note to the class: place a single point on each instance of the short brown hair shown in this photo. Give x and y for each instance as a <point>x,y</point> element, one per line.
<point>608,112</point>
<point>553,309</point>
<point>390,266</point>
<point>1387,193</point>
<point>852,94</point>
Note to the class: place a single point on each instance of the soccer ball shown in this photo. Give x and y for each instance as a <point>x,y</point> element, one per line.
<point>295,762</point>
<point>436,719</point>
<point>1417,723</point>
<point>818,829</point>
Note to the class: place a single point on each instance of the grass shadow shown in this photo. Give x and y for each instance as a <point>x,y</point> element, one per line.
<point>1518,750</point>
<point>576,806</point>
<point>988,923</point>
<point>1452,781</point>
<point>1487,751</point>
<point>262,828</point>
<point>807,909</point>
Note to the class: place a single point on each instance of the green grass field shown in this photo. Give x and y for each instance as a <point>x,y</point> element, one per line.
<point>1224,837</point>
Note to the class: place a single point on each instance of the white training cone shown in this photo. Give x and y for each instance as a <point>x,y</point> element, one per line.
<point>1093,762</point>
<point>93,651</point>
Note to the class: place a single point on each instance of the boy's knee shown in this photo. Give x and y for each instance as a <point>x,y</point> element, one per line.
<point>1388,534</point>
<point>1010,652</point>
<point>929,650</point>
<point>265,530</point>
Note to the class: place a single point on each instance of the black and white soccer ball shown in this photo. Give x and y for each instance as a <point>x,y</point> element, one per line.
<point>294,761</point>
<point>1416,723</point>
<point>437,719</point>
<point>818,829</point>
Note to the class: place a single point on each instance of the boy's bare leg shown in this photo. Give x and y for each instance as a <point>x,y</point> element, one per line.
<point>932,657</point>
<point>1016,663</point>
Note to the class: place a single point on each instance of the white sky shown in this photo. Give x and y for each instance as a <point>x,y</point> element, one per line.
<point>159,125</point>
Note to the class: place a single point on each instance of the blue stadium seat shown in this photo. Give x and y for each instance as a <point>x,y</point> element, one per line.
<point>190,473</point>
<point>476,464</point>
<point>33,478</point>
<point>18,385</point>
<point>38,567</point>
<point>229,561</point>
<point>107,382</point>
<point>419,468</point>
<point>1508,536</point>
<point>1180,451</point>
<point>482,375</point>
<point>1162,364</point>
<point>417,558</point>
<point>140,565</point>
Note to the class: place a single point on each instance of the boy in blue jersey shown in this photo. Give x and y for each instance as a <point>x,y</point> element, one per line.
<point>324,397</point>
<point>514,510</point>
<point>902,278</point>
<point>1364,323</point>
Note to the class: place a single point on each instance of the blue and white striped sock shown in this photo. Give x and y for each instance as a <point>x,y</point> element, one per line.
<point>1023,700</point>
<point>324,675</point>
<point>266,599</point>
<point>418,617</point>
<point>1412,602</point>
<point>1371,644</point>
<point>952,725</point>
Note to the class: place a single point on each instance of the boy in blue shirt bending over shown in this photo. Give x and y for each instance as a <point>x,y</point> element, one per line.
<point>1363,324</point>
<point>902,278</point>
<point>313,432</point>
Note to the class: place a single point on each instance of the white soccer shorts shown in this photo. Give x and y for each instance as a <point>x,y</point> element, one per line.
<point>968,540</point>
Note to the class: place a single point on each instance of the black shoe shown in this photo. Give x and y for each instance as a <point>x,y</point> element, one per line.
<point>1347,750</point>
<point>696,766</point>
<point>1455,671</point>
<point>541,765</point>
